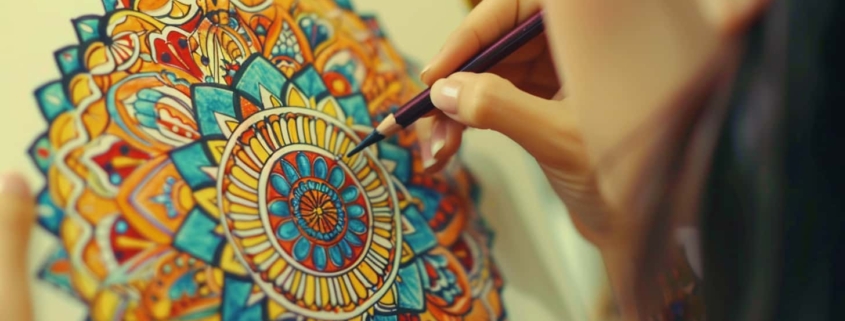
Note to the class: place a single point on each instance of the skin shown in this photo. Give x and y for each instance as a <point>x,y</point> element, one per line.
<point>622,63</point>
<point>628,59</point>
<point>16,219</point>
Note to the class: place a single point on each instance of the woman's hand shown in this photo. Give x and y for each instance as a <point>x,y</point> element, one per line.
<point>520,98</point>
<point>485,24</point>
<point>17,213</point>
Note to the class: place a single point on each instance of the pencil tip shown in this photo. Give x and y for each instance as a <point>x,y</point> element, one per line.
<point>368,141</point>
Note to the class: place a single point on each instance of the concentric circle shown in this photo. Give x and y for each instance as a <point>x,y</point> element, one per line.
<point>318,211</point>
<point>317,230</point>
<point>315,210</point>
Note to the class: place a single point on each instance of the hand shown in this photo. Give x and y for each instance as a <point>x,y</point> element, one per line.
<point>529,68</point>
<point>517,98</point>
<point>17,213</point>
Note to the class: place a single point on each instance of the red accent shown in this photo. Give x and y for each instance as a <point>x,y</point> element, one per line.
<point>335,79</point>
<point>409,317</point>
<point>192,24</point>
<point>445,213</point>
<point>123,255</point>
<point>42,152</point>
<point>265,23</point>
<point>432,274</point>
<point>62,266</point>
<point>248,108</point>
<point>463,252</point>
<point>169,52</point>
<point>119,149</point>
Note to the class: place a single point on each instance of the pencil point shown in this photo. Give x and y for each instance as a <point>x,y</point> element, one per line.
<point>368,141</point>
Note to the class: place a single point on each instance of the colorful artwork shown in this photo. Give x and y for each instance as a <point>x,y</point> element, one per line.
<point>195,171</point>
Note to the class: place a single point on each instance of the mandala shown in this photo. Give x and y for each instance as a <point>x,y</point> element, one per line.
<point>195,165</point>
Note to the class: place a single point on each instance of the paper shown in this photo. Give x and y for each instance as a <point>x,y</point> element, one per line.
<point>195,169</point>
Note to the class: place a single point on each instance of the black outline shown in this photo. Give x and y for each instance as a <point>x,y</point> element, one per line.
<point>30,151</point>
<point>68,292</point>
<point>77,20</point>
<point>46,191</point>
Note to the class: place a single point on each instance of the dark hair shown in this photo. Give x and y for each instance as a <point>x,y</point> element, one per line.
<point>772,208</point>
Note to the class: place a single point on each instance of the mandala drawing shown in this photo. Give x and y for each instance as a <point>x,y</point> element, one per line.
<point>196,170</point>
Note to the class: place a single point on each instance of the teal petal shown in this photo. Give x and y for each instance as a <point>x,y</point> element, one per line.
<point>336,177</point>
<point>68,60</point>
<point>260,73</point>
<point>147,120</point>
<point>344,247</point>
<point>319,258</point>
<point>352,239</point>
<point>355,211</point>
<point>209,101</point>
<point>304,165</point>
<point>52,100</point>
<point>147,107</point>
<point>349,194</point>
<point>279,208</point>
<point>280,184</point>
<point>320,168</point>
<point>301,249</point>
<point>87,28</point>
<point>288,231</point>
<point>290,172</point>
<point>357,226</point>
<point>149,94</point>
<point>334,255</point>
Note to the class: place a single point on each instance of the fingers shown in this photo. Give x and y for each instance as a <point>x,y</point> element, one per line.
<point>17,214</point>
<point>545,128</point>
<point>490,20</point>
<point>440,138</point>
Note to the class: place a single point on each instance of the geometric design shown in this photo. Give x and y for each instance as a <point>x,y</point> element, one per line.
<point>317,235</point>
<point>196,170</point>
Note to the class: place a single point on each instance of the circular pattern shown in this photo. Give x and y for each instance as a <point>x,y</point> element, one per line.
<point>319,217</point>
<point>318,211</point>
<point>288,245</point>
<point>316,229</point>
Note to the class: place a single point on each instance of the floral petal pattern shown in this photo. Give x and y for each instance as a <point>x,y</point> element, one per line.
<point>196,153</point>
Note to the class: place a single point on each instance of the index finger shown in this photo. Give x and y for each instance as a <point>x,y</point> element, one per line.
<point>489,20</point>
<point>17,216</point>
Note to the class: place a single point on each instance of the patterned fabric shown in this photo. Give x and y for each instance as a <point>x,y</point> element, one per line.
<point>196,170</point>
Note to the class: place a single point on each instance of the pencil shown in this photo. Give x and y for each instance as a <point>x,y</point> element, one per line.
<point>481,62</point>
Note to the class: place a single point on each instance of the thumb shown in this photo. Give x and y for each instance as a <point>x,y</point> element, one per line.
<point>17,213</point>
<point>545,128</point>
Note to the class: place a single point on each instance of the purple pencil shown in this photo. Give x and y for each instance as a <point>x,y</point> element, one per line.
<point>481,62</point>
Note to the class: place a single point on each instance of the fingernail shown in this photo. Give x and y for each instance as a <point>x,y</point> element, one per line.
<point>425,153</point>
<point>13,185</point>
<point>427,158</point>
<point>444,95</point>
<point>438,136</point>
<point>422,73</point>
<point>429,163</point>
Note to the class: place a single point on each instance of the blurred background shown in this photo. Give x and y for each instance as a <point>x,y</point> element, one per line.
<point>551,272</point>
